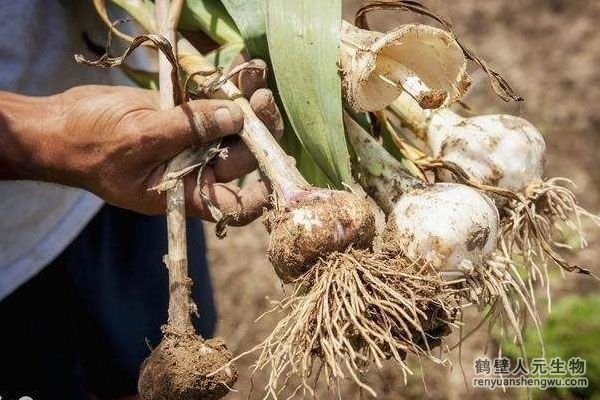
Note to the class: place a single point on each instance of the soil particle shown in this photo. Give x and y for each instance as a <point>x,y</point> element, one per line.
<point>433,99</point>
<point>495,176</point>
<point>453,144</point>
<point>492,143</point>
<point>440,248</point>
<point>478,238</point>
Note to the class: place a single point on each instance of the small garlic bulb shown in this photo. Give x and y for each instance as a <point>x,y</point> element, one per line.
<point>497,150</point>
<point>451,226</point>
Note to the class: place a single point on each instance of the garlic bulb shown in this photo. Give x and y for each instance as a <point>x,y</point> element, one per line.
<point>496,150</point>
<point>451,226</point>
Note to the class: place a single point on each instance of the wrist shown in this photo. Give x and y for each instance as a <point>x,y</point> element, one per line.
<point>27,126</point>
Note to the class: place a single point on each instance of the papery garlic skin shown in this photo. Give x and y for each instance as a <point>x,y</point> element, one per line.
<point>496,150</point>
<point>422,60</point>
<point>451,226</point>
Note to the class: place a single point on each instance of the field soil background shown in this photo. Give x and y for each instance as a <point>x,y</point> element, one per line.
<point>550,52</point>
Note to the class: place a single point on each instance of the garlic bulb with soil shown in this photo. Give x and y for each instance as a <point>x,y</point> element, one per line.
<point>306,223</point>
<point>450,226</point>
<point>183,367</point>
<point>424,61</point>
<point>314,224</point>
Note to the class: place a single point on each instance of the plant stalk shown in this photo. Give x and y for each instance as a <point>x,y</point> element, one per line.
<point>273,161</point>
<point>176,258</point>
<point>411,114</point>
<point>383,177</point>
<point>419,120</point>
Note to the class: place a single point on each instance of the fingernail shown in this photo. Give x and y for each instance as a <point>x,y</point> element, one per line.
<point>263,98</point>
<point>224,120</point>
<point>267,95</point>
<point>270,97</point>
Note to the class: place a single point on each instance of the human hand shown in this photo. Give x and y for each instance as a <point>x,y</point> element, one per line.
<point>116,143</point>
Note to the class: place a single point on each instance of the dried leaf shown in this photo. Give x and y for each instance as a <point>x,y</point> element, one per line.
<point>160,42</point>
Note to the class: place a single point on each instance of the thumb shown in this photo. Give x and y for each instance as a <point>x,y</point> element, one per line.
<point>195,123</point>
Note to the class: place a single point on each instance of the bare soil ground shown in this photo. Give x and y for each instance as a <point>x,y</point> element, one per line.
<point>550,51</point>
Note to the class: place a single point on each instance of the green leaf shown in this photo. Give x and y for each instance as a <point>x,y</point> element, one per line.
<point>304,39</point>
<point>212,18</point>
<point>143,79</point>
<point>249,16</point>
<point>304,162</point>
<point>223,56</point>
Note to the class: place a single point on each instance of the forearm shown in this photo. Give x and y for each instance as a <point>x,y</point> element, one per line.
<point>26,126</point>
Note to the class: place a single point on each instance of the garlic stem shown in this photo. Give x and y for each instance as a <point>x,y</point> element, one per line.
<point>176,258</point>
<point>411,114</point>
<point>272,160</point>
<point>390,71</point>
<point>421,122</point>
<point>383,177</point>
